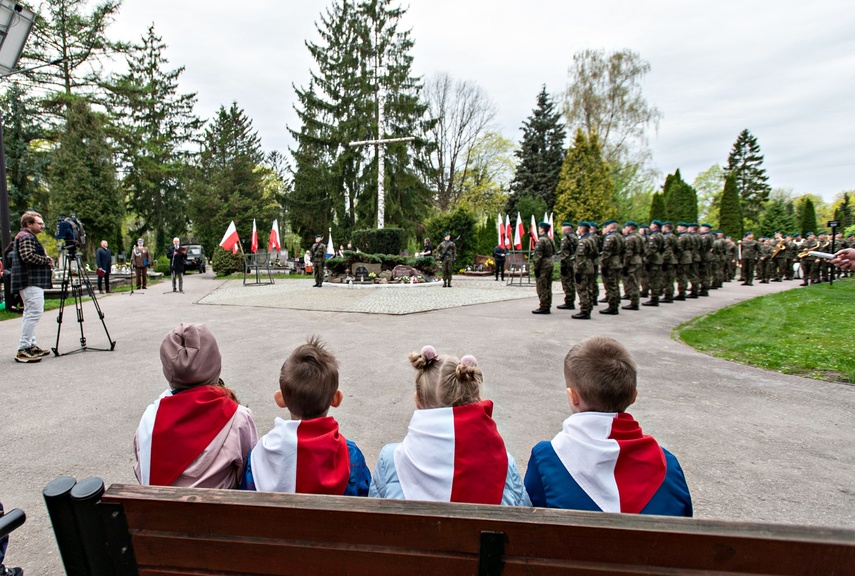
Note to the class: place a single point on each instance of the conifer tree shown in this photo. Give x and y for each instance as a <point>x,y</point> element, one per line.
<point>843,213</point>
<point>658,209</point>
<point>746,163</point>
<point>541,154</point>
<point>775,218</point>
<point>808,221</point>
<point>730,213</point>
<point>154,124</point>
<point>585,190</point>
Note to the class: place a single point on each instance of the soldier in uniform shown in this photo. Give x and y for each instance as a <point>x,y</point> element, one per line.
<point>447,252</point>
<point>612,264</point>
<point>669,263</point>
<point>569,241</point>
<point>684,260</point>
<point>706,265</point>
<point>595,233</point>
<point>653,262</point>
<point>768,267</point>
<point>750,253</point>
<point>779,251</point>
<point>720,253</point>
<point>541,261</point>
<point>694,270</point>
<point>807,261</point>
<point>319,256</point>
<point>644,231</point>
<point>587,253</point>
<point>732,257</point>
<point>791,250</point>
<point>632,263</point>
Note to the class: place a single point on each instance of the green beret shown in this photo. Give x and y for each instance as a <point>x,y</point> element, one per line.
<point>608,222</point>
<point>684,224</point>
<point>319,235</point>
<point>446,234</point>
<point>593,225</point>
<point>747,233</point>
<point>583,224</point>
<point>567,224</point>
<point>667,223</point>
<point>631,223</point>
<point>706,225</point>
<point>544,225</point>
<point>657,222</point>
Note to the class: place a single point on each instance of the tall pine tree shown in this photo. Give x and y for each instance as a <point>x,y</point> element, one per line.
<point>730,213</point>
<point>585,190</point>
<point>658,210</point>
<point>154,125</point>
<point>541,154</point>
<point>808,218</point>
<point>776,218</point>
<point>746,163</point>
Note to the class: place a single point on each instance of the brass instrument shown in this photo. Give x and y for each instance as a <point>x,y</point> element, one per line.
<point>781,245</point>
<point>817,248</point>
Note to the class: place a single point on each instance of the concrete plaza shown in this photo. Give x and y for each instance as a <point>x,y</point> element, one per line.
<point>755,445</point>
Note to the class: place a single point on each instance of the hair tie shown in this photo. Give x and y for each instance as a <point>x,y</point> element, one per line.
<point>430,355</point>
<point>469,360</point>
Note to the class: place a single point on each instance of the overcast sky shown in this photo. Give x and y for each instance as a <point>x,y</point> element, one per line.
<point>784,69</point>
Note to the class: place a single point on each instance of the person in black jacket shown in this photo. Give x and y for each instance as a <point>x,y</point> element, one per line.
<point>499,255</point>
<point>177,258</point>
<point>104,261</point>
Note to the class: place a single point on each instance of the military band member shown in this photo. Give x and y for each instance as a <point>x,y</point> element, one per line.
<point>447,253</point>
<point>750,253</point>
<point>633,259</point>
<point>779,257</point>
<point>319,256</point>
<point>669,263</point>
<point>791,251</point>
<point>585,268</point>
<point>569,242</point>
<point>542,263</point>
<point>612,264</point>
<point>808,261</point>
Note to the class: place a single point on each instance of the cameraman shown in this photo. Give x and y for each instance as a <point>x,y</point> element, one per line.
<point>31,275</point>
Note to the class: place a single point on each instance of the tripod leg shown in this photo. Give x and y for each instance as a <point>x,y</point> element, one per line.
<point>91,292</point>
<point>62,298</point>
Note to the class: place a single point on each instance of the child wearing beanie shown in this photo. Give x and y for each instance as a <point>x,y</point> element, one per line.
<point>453,451</point>
<point>195,434</point>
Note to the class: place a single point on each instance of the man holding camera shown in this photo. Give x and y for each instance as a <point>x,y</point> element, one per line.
<point>31,276</point>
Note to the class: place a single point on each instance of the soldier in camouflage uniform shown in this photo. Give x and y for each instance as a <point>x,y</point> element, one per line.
<point>319,256</point>
<point>542,263</point>
<point>669,263</point>
<point>694,270</point>
<point>653,262</point>
<point>595,233</point>
<point>612,264</point>
<point>732,257</point>
<point>766,264</point>
<point>587,253</point>
<point>684,260</point>
<point>808,262</point>
<point>779,249</point>
<point>750,253</point>
<point>644,230</point>
<point>569,241</point>
<point>633,259</point>
<point>720,252</point>
<point>790,252</point>
<point>705,268</point>
<point>447,252</point>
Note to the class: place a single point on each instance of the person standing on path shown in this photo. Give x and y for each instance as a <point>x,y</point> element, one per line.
<point>177,259</point>
<point>587,253</point>
<point>447,253</point>
<point>653,262</point>
<point>500,253</point>
<point>632,262</point>
<point>104,261</point>
<point>567,256</point>
<point>140,259</point>
<point>750,252</point>
<point>612,263</point>
<point>319,255</point>
<point>31,276</point>
<point>542,263</point>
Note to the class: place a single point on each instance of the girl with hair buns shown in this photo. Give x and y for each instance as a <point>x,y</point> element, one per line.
<point>453,451</point>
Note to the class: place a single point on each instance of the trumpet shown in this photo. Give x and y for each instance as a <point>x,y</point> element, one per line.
<point>781,245</point>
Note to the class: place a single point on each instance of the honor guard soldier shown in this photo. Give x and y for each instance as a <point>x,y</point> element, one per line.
<point>447,253</point>
<point>567,255</point>
<point>595,233</point>
<point>750,253</point>
<point>669,263</point>
<point>612,264</point>
<point>707,259</point>
<point>541,261</point>
<point>585,266</point>
<point>319,256</point>
<point>653,262</point>
<point>684,260</point>
<point>633,259</point>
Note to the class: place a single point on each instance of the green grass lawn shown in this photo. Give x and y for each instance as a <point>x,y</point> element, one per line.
<point>807,331</point>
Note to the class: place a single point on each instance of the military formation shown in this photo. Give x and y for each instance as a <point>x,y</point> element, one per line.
<point>666,265</point>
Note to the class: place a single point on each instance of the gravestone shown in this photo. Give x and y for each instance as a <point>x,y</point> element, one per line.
<point>402,271</point>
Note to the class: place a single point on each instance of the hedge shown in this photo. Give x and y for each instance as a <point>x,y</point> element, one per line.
<point>380,241</point>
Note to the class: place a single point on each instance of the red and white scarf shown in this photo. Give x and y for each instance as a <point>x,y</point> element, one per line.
<point>302,456</point>
<point>612,461</point>
<point>453,454</point>
<point>177,428</point>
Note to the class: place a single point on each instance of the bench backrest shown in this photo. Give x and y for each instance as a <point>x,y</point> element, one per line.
<point>194,531</point>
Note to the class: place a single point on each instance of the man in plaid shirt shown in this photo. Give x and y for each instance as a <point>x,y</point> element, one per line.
<point>31,275</point>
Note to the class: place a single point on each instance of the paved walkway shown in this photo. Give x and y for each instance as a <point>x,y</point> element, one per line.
<point>755,445</point>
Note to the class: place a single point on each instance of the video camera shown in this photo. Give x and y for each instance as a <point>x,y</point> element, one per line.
<point>70,230</point>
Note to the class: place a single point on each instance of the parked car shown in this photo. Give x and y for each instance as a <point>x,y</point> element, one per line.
<point>195,258</point>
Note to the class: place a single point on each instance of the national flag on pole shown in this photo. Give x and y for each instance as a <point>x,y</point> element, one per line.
<point>551,225</point>
<point>230,238</point>
<point>533,233</point>
<point>500,229</point>
<point>330,249</point>
<point>274,238</point>
<point>507,231</point>
<point>254,245</point>
<point>518,234</point>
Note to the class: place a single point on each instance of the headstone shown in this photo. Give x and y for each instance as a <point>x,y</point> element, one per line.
<point>402,271</point>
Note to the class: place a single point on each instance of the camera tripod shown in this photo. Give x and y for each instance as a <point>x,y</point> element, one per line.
<point>74,283</point>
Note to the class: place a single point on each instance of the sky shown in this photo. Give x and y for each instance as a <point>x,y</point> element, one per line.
<point>783,69</point>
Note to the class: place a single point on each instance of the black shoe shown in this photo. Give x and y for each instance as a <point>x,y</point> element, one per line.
<point>630,307</point>
<point>681,297</point>
<point>610,311</point>
<point>645,294</point>
<point>651,302</point>
<point>11,571</point>
<point>777,280</point>
<point>566,306</point>
<point>705,292</point>
<point>803,284</point>
<point>764,281</point>
<point>581,316</point>
<point>625,298</point>
<point>692,296</point>
<point>667,300</point>
<point>603,300</point>
<point>541,311</point>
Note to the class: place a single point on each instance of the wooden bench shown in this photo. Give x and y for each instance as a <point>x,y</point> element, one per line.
<point>159,531</point>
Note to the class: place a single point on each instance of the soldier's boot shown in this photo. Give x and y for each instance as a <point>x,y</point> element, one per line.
<point>626,297</point>
<point>630,307</point>
<point>581,316</point>
<point>654,301</point>
<point>704,292</point>
<point>667,300</point>
<point>611,311</point>
<point>541,311</point>
<point>566,306</point>
<point>604,300</point>
<point>680,297</point>
<point>644,294</point>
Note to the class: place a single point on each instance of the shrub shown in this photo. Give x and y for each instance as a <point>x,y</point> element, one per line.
<point>224,263</point>
<point>385,241</point>
<point>461,225</point>
<point>162,265</point>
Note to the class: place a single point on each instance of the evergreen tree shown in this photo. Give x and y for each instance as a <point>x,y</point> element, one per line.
<point>730,213</point>
<point>657,207</point>
<point>843,212</point>
<point>775,218</point>
<point>680,199</point>
<point>670,193</point>
<point>541,154</point>
<point>229,179</point>
<point>82,176</point>
<point>746,163</point>
<point>585,190</point>
<point>154,125</point>
<point>808,218</point>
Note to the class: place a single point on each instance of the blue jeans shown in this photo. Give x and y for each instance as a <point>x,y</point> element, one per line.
<point>34,307</point>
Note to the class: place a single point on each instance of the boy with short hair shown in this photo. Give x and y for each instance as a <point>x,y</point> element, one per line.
<point>307,454</point>
<point>601,461</point>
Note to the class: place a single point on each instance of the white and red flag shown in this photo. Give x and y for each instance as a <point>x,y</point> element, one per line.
<point>508,233</point>
<point>302,456</point>
<point>254,245</point>
<point>274,241</point>
<point>230,238</point>
<point>532,231</point>
<point>518,234</point>
<point>453,454</point>
<point>500,228</point>
<point>551,225</point>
